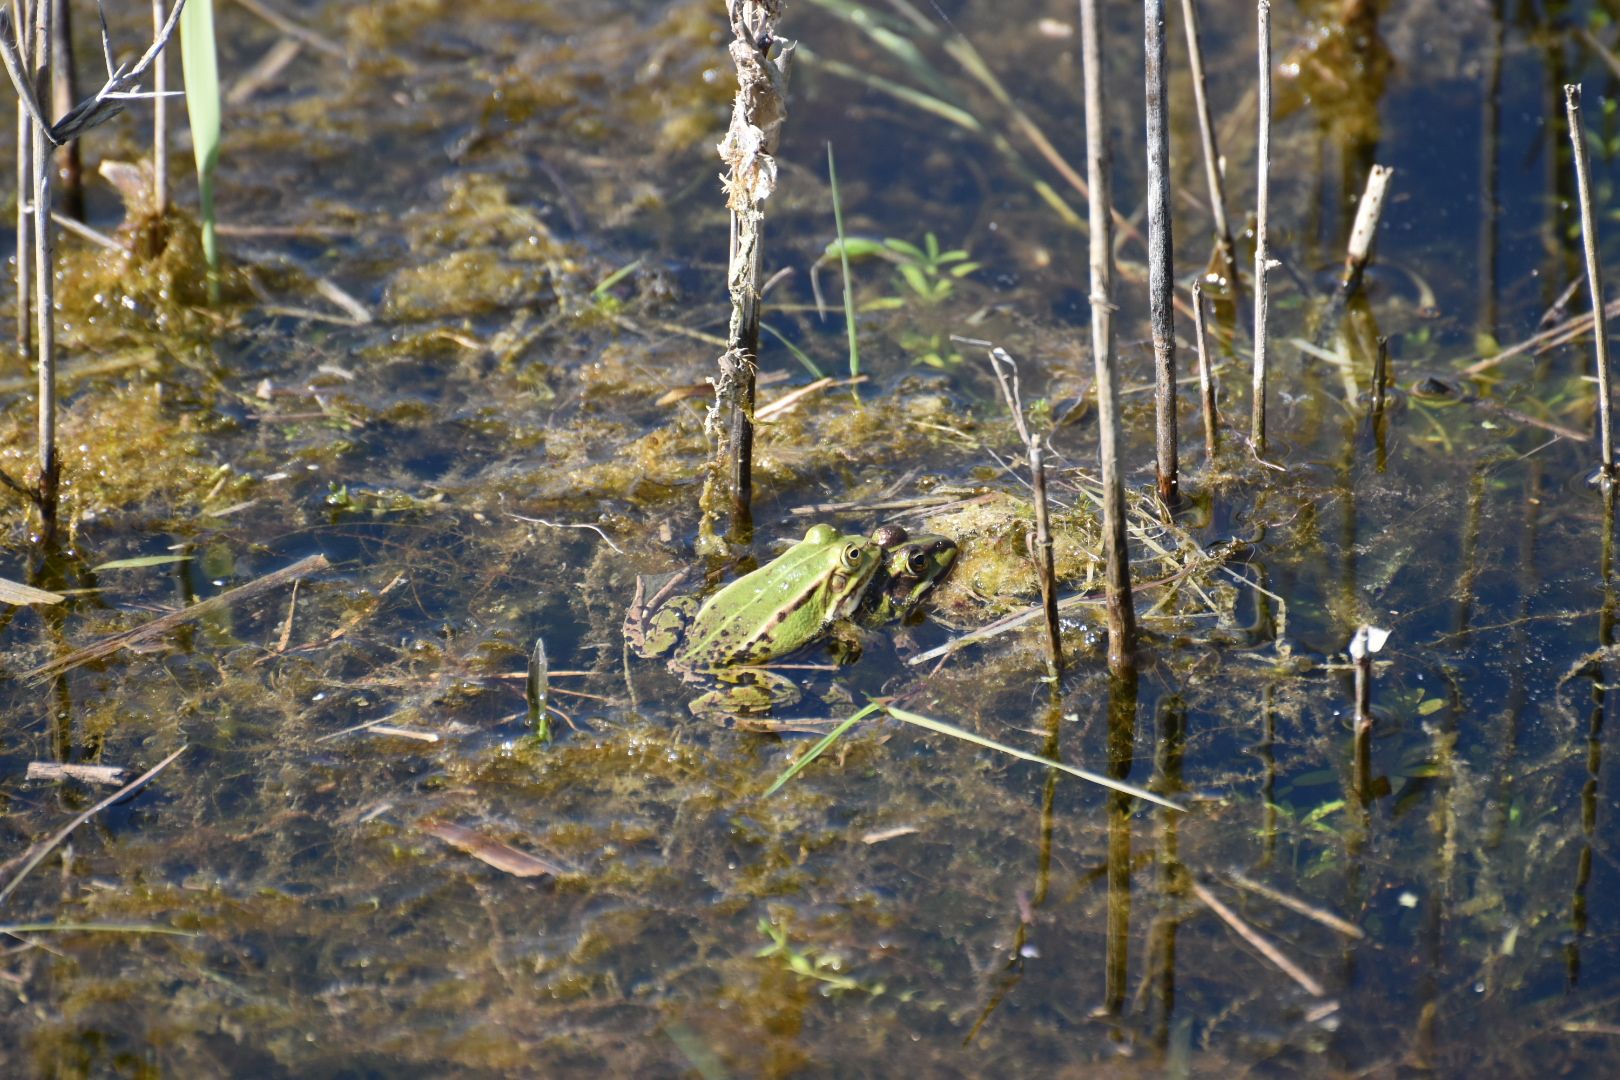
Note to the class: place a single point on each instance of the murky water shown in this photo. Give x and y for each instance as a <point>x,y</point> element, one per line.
<point>467,175</point>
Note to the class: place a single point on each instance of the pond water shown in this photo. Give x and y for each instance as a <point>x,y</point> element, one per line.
<point>418,374</point>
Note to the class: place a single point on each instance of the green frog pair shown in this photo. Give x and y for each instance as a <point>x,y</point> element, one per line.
<point>825,580</point>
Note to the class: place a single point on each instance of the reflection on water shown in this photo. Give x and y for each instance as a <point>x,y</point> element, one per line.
<point>469,177</point>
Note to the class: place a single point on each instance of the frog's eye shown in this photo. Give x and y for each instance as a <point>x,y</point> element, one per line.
<point>916,561</point>
<point>852,555</point>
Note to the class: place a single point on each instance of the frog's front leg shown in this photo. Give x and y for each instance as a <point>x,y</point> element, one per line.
<point>746,691</point>
<point>655,631</point>
<point>847,640</point>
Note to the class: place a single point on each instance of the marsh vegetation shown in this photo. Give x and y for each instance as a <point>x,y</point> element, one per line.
<point>473,281</point>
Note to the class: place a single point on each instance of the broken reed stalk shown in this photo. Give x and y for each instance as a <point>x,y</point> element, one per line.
<point>1206,378</point>
<point>22,18</point>
<point>1043,560</point>
<point>1366,641</point>
<point>1364,229</point>
<point>1262,253</point>
<point>757,114</point>
<point>160,120</point>
<point>1212,158</point>
<point>1594,278</point>
<point>1161,272</point>
<point>1121,614</point>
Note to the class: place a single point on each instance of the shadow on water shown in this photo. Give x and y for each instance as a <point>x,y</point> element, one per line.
<point>419,373</point>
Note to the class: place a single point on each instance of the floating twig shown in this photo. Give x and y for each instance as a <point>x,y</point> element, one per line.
<point>87,774</point>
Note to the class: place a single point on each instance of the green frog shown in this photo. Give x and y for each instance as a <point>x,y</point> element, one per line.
<point>912,566</point>
<point>794,600</point>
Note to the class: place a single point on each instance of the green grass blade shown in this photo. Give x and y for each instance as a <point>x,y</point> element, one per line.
<point>798,353</point>
<point>843,261</point>
<point>942,728</point>
<point>201,69</point>
<point>817,750</point>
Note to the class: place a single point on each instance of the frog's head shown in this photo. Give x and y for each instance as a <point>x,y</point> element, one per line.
<point>912,565</point>
<point>837,567</point>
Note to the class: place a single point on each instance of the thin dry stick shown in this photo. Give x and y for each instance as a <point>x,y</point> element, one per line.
<point>1248,933</point>
<point>164,623</point>
<point>1542,341</point>
<point>1262,253</point>
<point>160,121</point>
<point>1206,378</point>
<point>1212,157</point>
<point>41,850</point>
<point>1594,278</point>
<point>1121,613</point>
<point>1161,272</point>
<point>1364,229</point>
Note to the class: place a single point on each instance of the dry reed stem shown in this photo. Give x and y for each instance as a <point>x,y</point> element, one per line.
<point>1262,250</point>
<point>1121,613</point>
<point>1594,279</point>
<point>1161,269</point>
